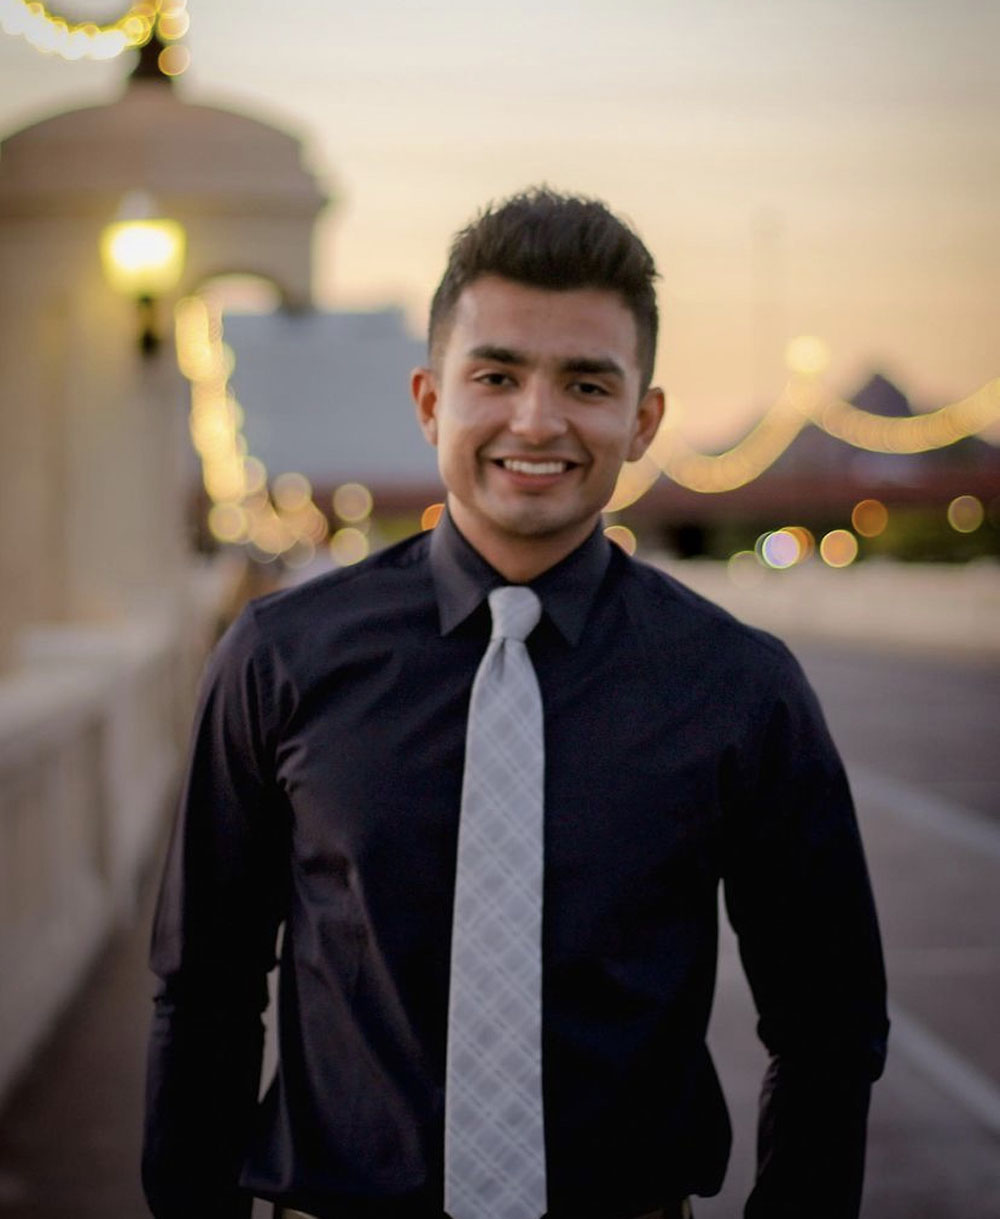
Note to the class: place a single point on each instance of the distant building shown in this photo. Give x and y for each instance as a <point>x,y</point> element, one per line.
<point>326,395</point>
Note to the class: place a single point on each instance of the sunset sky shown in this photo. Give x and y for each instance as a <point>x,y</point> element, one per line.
<point>797,166</point>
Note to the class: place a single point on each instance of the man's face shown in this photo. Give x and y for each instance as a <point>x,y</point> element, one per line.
<point>533,405</point>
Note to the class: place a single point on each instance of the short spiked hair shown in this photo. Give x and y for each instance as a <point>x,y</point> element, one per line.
<point>551,240</point>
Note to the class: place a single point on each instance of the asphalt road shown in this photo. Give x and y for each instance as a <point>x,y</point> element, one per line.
<point>919,734</point>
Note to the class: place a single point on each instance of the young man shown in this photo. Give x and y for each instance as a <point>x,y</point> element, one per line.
<point>489,781</point>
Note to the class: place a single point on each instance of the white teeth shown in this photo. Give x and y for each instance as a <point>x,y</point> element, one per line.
<point>534,467</point>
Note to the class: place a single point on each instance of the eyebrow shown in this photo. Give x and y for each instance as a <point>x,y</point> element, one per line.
<point>591,365</point>
<point>583,364</point>
<point>500,355</point>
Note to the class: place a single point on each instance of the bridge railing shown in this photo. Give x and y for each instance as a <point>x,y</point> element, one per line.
<point>91,724</point>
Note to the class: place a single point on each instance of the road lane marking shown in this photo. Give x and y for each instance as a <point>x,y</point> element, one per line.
<point>953,1073</point>
<point>926,809</point>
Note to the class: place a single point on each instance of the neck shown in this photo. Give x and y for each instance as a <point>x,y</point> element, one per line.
<point>519,559</point>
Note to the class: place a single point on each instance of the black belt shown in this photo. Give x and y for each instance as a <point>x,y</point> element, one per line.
<point>679,1210</point>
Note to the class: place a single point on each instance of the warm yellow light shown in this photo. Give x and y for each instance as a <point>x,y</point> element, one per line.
<point>291,492</point>
<point>352,502</point>
<point>255,473</point>
<point>312,524</point>
<point>348,546</point>
<point>807,355</point>
<point>143,257</point>
<point>431,515</point>
<point>622,536</point>
<point>174,60</point>
<point>965,514</point>
<point>225,480</point>
<point>173,25</point>
<point>869,518</point>
<point>228,522</point>
<point>839,548</point>
<point>805,539</point>
<point>269,535</point>
<point>634,479</point>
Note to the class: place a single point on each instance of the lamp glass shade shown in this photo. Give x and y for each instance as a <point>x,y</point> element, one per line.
<point>143,257</point>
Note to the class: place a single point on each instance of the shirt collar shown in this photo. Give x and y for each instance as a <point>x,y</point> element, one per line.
<point>463,579</point>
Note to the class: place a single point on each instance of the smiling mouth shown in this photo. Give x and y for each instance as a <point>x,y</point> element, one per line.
<point>540,468</point>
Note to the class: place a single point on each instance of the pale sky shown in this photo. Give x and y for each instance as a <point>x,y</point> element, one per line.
<point>796,166</point>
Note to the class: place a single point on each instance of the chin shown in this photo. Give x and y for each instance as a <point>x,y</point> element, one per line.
<point>540,524</point>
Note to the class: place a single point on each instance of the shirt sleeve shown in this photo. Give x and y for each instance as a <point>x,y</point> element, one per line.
<point>214,934</point>
<point>799,899</point>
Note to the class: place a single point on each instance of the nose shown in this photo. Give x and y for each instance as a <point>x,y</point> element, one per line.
<point>538,417</point>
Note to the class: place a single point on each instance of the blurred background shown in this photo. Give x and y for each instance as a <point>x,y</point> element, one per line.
<point>221,222</point>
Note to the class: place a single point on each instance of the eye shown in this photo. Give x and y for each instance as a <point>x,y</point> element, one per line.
<point>494,378</point>
<point>589,389</point>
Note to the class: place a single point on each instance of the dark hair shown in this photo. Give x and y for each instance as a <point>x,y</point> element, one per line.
<point>550,240</point>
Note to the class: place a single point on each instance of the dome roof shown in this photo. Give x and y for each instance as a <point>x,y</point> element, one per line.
<point>149,139</point>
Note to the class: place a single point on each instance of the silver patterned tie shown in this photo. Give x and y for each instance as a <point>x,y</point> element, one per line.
<point>494,1131</point>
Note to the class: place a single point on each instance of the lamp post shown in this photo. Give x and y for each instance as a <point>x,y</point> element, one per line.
<point>143,257</point>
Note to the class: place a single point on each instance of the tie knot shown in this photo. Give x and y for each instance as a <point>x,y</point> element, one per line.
<point>516,610</point>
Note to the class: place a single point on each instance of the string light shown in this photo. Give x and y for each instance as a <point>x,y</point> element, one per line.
<point>739,465</point>
<point>803,402</point>
<point>282,520</point>
<point>54,35</point>
<point>915,434</point>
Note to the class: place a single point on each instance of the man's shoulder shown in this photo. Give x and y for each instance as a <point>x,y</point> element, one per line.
<point>378,590</point>
<point>402,564</point>
<point>674,614</point>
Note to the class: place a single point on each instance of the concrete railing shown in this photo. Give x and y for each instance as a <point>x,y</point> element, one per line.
<point>89,744</point>
<point>93,722</point>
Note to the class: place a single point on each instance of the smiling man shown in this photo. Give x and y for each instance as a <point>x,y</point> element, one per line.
<point>489,781</point>
<point>534,400</point>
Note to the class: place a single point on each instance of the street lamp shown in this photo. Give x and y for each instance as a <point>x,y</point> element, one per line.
<point>143,258</point>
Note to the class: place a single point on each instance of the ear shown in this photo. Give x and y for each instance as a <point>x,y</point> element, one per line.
<point>423,387</point>
<point>647,420</point>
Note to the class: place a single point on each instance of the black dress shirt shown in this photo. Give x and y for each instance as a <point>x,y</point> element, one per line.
<point>681,747</point>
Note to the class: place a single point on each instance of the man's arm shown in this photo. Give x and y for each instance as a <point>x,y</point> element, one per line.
<point>798,896</point>
<point>213,943</point>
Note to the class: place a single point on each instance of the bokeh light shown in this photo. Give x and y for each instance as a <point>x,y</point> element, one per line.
<point>174,60</point>
<point>807,355</point>
<point>52,34</point>
<point>227,522</point>
<point>745,569</point>
<point>780,549</point>
<point>431,515</point>
<point>805,539</point>
<point>352,502</point>
<point>965,514</point>
<point>291,492</point>
<point>348,545</point>
<point>869,517</point>
<point>622,536</point>
<point>256,475</point>
<point>143,257</point>
<point>173,25</point>
<point>634,479</point>
<point>839,548</point>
